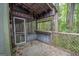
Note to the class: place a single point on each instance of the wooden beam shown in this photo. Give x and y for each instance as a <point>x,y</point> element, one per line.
<point>21,14</point>
<point>25,6</point>
<point>53,9</point>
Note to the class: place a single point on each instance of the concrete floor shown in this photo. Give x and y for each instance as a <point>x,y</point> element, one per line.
<point>37,48</point>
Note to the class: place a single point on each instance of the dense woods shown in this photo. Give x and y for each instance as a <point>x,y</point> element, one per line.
<point>68,19</point>
<point>68,22</point>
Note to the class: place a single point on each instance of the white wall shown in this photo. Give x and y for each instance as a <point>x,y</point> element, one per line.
<point>4,30</point>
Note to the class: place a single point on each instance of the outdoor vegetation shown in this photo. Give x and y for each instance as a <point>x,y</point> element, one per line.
<point>68,17</point>
<point>45,24</point>
<point>69,23</point>
<point>68,27</point>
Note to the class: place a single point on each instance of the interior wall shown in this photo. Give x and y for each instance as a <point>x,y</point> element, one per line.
<point>31,27</point>
<point>32,35</point>
<point>44,29</point>
<point>44,36</point>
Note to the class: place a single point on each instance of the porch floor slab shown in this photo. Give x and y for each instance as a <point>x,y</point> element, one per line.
<point>37,48</point>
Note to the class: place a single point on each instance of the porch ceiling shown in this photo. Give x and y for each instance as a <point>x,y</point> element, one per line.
<point>36,10</point>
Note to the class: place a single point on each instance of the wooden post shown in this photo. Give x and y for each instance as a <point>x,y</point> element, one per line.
<point>36,25</point>
<point>54,18</point>
<point>4,30</point>
<point>55,22</point>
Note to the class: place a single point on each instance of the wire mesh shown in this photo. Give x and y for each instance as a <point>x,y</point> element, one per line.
<point>68,41</point>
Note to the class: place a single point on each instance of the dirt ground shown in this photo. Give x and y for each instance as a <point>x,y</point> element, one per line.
<point>37,48</point>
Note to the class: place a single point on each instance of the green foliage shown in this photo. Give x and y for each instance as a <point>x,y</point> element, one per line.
<point>77,18</point>
<point>62,17</point>
<point>44,24</point>
<point>67,41</point>
<point>63,10</point>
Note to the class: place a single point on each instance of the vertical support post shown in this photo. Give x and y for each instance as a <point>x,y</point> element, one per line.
<point>28,27</point>
<point>55,18</point>
<point>56,22</point>
<point>36,25</point>
<point>55,26</point>
<point>36,29</point>
<point>4,30</point>
<point>14,29</point>
<point>25,30</point>
<point>52,28</point>
<point>31,27</point>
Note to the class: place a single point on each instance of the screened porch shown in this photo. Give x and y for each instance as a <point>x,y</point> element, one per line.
<point>33,29</point>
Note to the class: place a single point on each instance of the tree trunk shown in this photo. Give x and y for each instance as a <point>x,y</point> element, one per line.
<point>70,16</point>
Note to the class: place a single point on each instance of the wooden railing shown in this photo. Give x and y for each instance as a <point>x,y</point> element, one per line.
<point>68,41</point>
<point>66,33</point>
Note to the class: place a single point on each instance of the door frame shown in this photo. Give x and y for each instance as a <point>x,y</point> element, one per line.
<point>15,29</point>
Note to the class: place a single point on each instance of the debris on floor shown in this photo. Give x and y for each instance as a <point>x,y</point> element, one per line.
<point>37,48</point>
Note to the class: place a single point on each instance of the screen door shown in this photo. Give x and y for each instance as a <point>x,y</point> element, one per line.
<point>19,30</point>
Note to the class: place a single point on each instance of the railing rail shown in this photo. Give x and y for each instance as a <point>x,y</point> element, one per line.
<point>68,41</point>
<point>66,33</point>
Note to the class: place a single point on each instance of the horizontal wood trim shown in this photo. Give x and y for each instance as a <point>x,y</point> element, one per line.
<point>65,33</point>
<point>43,32</point>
